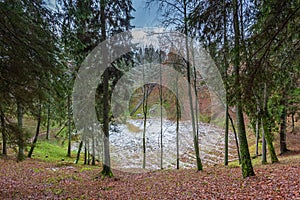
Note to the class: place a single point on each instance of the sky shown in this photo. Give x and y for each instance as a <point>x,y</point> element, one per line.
<point>144,17</point>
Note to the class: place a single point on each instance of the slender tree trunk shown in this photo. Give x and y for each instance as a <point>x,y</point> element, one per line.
<point>269,140</point>
<point>58,133</point>
<point>247,169</point>
<point>93,151</point>
<point>266,128</point>
<point>258,122</point>
<point>161,117</point>
<point>264,143</point>
<point>293,122</point>
<point>236,139</point>
<point>78,152</point>
<point>48,122</point>
<point>197,109</point>
<point>195,138</point>
<point>21,142</point>
<point>106,164</point>
<point>264,146</point>
<point>37,132</point>
<point>226,136</point>
<point>225,77</point>
<point>177,123</point>
<point>145,102</point>
<point>282,131</point>
<point>85,154</point>
<point>4,138</point>
<point>88,156</point>
<point>69,126</point>
<point>257,127</point>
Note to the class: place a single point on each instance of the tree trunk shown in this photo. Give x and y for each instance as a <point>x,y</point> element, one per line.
<point>48,122</point>
<point>161,117</point>
<point>195,138</point>
<point>269,140</point>
<point>78,152</point>
<point>257,135</point>
<point>282,131</point>
<point>293,122</point>
<point>4,138</point>
<point>36,133</point>
<point>69,126</point>
<point>197,109</point>
<point>93,151</point>
<point>236,139</point>
<point>21,142</point>
<point>88,153</point>
<point>247,169</point>
<point>264,146</point>
<point>225,80</point>
<point>258,122</point>
<point>145,102</point>
<point>85,154</point>
<point>177,123</point>
<point>266,127</point>
<point>226,136</point>
<point>106,164</point>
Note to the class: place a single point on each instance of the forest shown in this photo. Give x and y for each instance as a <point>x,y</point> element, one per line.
<point>204,105</point>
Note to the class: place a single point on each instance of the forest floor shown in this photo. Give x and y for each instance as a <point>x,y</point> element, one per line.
<point>34,179</point>
<point>37,179</point>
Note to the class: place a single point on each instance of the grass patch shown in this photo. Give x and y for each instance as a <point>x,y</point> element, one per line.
<point>253,147</point>
<point>37,170</point>
<point>233,164</point>
<point>204,118</point>
<point>289,158</point>
<point>88,168</point>
<point>52,151</point>
<point>257,160</point>
<point>61,178</point>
